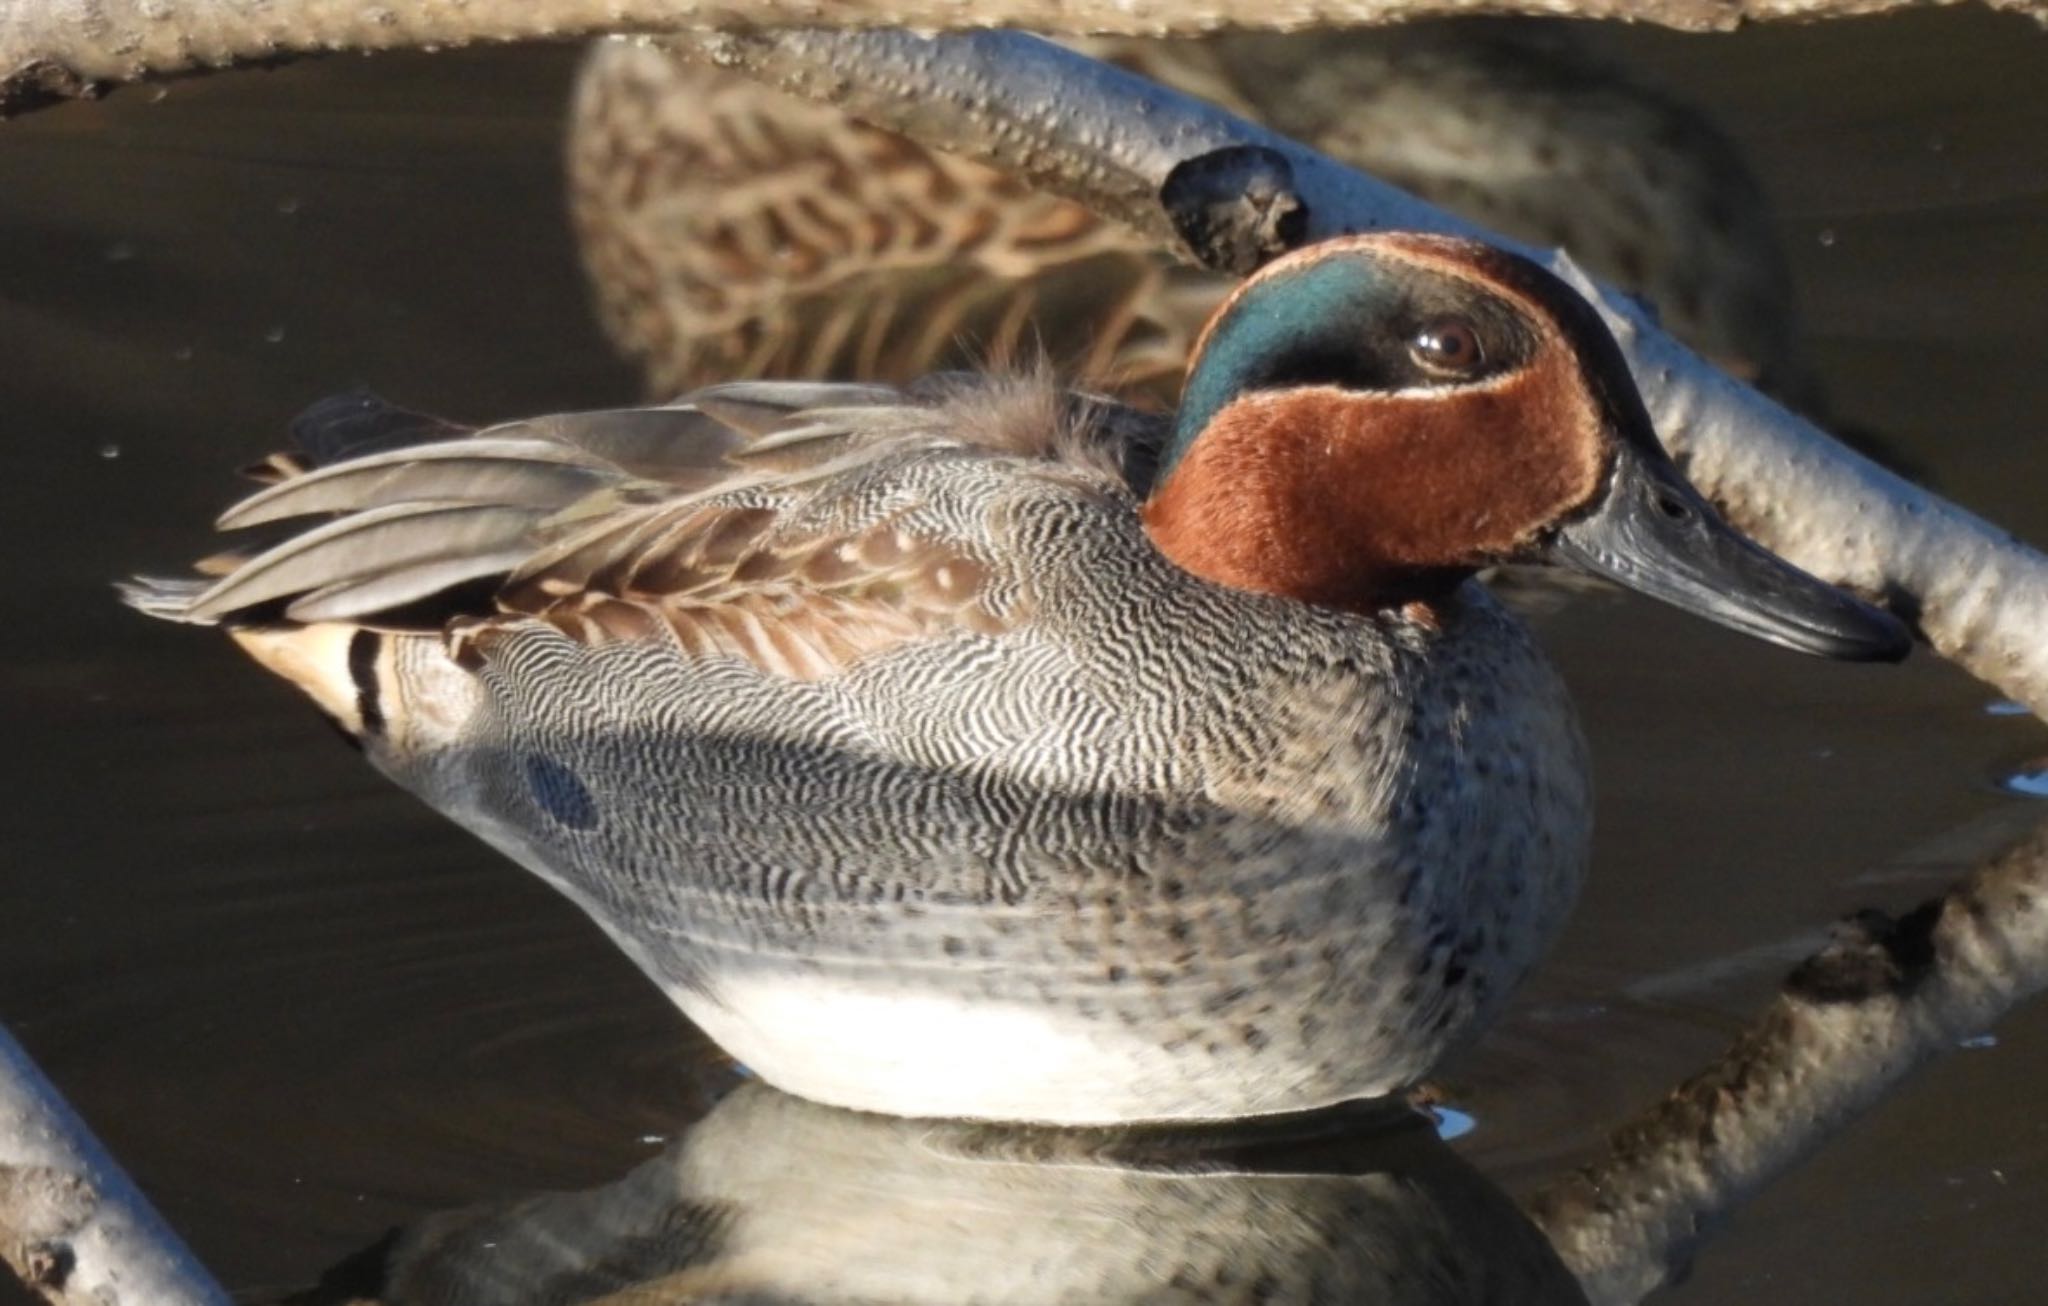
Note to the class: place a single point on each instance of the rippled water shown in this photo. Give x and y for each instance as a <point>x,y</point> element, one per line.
<point>303,1009</point>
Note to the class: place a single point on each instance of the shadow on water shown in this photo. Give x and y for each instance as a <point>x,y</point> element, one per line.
<point>303,1010</point>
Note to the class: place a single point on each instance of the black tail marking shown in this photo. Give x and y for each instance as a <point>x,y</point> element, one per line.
<point>363,647</point>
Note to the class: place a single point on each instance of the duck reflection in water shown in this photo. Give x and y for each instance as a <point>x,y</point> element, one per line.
<point>771,1199</point>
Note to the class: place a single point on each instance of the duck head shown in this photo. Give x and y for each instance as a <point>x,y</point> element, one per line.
<point>1368,420</point>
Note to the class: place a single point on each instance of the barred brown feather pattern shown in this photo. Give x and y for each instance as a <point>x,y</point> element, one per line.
<point>733,231</point>
<point>728,580</point>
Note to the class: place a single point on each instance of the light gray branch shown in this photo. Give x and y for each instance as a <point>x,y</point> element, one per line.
<point>1109,139</point>
<point>1885,999</point>
<point>73,1226</point>
<point>51,50</point>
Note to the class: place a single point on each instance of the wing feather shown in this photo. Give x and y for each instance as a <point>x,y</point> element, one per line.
<point>765,522</point>
<point>365,544</point>
<point>758,407</point>
<point>356,423</point>
<point>362,598</point>
<point>482,469</point>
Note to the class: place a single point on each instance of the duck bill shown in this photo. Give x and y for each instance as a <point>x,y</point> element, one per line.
<point>1656,535</point>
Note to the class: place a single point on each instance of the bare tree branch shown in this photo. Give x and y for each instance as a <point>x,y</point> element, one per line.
<point>73,1227</point>
<point>1884,999</point>
<point>52,50</point>
<point>1111,140</point>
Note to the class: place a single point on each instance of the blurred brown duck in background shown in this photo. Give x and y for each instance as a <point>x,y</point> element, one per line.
<point>734,231</point>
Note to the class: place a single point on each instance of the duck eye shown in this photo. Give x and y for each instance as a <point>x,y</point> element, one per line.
<point>1447,346</point>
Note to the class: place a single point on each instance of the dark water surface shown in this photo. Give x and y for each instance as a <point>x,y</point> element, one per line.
<point>302,1008</point>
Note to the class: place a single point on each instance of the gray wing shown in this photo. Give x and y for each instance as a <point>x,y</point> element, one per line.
<point>769,521</point>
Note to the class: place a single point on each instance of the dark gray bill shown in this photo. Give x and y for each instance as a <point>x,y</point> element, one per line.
<point>1656,535</point>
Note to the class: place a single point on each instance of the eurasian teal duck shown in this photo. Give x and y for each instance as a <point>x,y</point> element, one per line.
<point>986,749</point>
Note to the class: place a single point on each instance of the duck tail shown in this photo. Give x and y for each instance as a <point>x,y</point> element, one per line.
<point>350,663</point>
<point>340,667</point>
<point>167,598</point>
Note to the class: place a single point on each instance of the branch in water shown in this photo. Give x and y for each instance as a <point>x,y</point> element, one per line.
<point>73,1227</point>
<point>1885,998</point>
